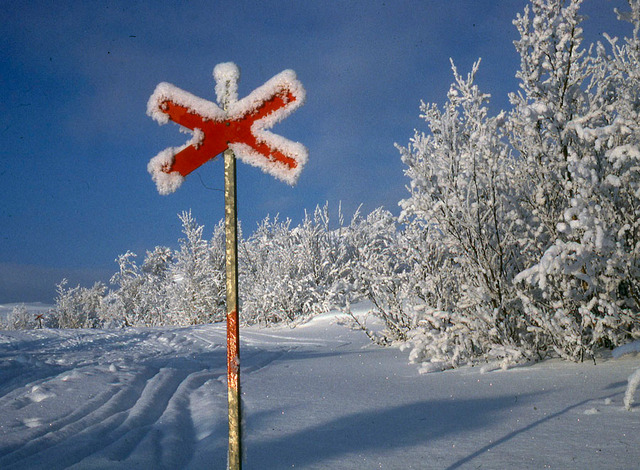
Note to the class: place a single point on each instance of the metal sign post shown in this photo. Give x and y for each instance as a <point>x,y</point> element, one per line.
<point>237,128</point>
<point>233,330</point>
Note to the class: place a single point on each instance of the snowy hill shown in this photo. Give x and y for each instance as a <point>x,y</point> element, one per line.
<point>317,396</point>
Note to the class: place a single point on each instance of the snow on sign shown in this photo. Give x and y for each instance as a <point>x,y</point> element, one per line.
<point>241,126</point>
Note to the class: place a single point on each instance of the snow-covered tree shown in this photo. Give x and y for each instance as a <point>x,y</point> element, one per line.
<point>20,319</point>
<point>545,196</point>
<point>122,306</point>
<point>77,307</point>
<point>198,275</point>
<point>288,273</point>
<point>274,286</point>
<point>323,250</point>
<point>584,148</point>
<point>378,273</point>
<point>462,195</point>
<point>140,298</point>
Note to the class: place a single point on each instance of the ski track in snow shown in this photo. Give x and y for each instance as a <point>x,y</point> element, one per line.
<point>317,396</point>
<point>144,416</point>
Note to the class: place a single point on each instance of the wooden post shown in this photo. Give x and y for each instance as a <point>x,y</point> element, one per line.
<point>233,330</point>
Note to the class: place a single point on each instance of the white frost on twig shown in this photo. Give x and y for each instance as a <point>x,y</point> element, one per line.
<point>166,183</point>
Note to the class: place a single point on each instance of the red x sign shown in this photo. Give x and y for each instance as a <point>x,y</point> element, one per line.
<point>238,125</point>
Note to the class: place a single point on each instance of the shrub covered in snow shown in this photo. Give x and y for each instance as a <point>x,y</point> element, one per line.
<point>537,210</point>
<point>77,307</point>
<point>463,198</point>
<point>582,290</point>
<point>287,273</point>
<point>379,273</point>
<point>19,319</point>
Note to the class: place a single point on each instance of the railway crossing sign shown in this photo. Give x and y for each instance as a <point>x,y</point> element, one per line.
<point>239,125</point>
<point>236,128</point>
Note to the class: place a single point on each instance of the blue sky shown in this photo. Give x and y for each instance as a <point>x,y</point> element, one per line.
<point>75,139</point>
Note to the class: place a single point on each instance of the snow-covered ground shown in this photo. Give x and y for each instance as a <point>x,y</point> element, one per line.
<point>317,396</point>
